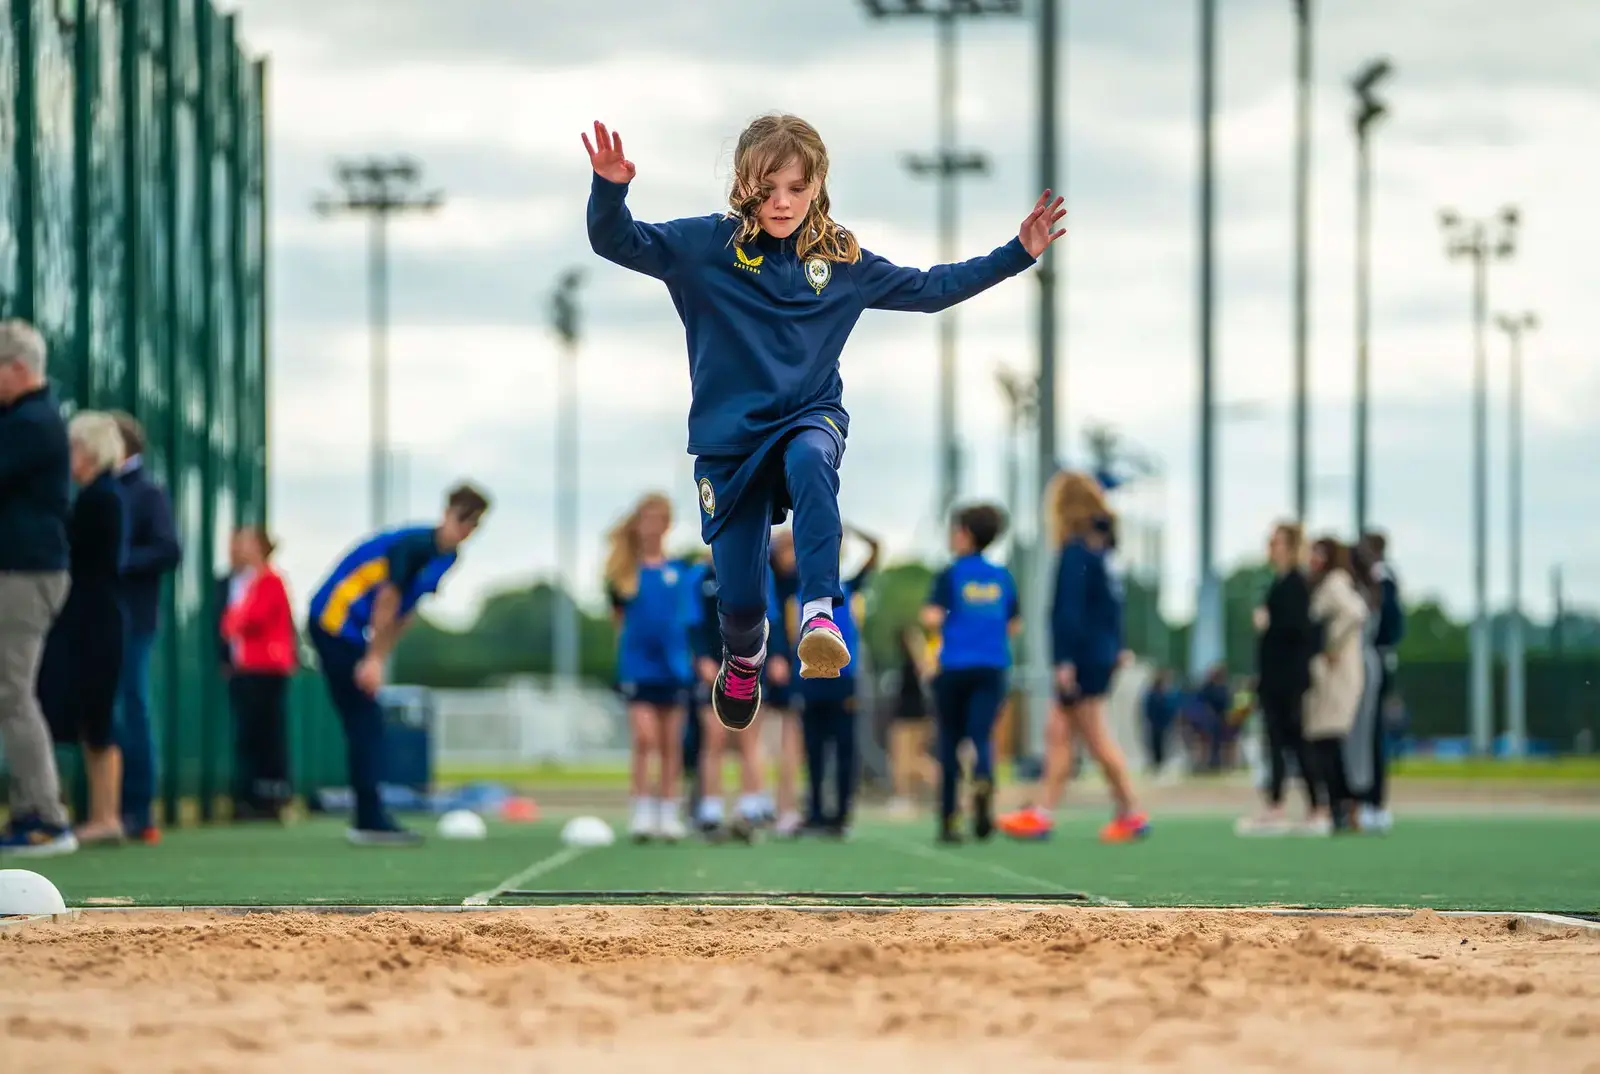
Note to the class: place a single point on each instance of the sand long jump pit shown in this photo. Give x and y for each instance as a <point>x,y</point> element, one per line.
<point>596,990</point>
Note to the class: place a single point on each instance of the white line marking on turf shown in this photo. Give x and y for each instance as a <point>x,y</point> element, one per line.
<point>920,851</point>
<point>539,868</point>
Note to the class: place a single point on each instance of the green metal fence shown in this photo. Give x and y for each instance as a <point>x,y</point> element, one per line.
<point>133,156</point>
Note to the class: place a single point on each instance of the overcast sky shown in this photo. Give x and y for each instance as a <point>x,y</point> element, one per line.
<point>1492,103</point>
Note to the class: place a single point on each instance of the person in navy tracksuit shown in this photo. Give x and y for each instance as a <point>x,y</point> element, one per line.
<point>653,603</point>
<point>778,686</point>
<point>1391,629</point>
<point>828,715</point>
<point>1086,645</point>
<point>974,605</point>
<point>768,293</point>
<point>357,615</point>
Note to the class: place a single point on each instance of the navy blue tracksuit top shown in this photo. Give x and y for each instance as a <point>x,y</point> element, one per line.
<point>764,330</point>
<point>1086,615</point>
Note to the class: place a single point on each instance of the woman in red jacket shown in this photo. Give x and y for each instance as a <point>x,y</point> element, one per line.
<point>258,631</point>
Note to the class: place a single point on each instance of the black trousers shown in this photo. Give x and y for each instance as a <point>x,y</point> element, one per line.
<point>260,741</point>
<point>1333,790</point>
<point>1378,793</point>
<point>1281,713</point>
<point>828,726</point>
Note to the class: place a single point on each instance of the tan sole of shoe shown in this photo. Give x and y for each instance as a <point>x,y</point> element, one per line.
<point>822,655</point>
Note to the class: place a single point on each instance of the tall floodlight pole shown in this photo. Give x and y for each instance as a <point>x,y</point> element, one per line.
<point>1516,660</point>
<point>1205,640</point>
<point>1052,266</point>
<point>1021,395</point>
<point>1368,111</point>
<point>1302,258</point>
<point>379,189</point>
<point>1478,241</point>
<point>946,164</point>
<point>564,319</point>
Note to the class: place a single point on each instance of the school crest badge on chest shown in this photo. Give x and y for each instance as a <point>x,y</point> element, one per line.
<point>818,273</point>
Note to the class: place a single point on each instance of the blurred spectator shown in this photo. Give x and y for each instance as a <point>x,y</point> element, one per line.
<point>912,769</point>
<point>1361,745</point>
<point>153,553</point>
<point>1208,718</point>
<point>34,507</point>
<point>83,656</point>
<point>1337,677</point>
<point>258,628</point>
<point>1160,712</point>
<point>1287,641</point>
<point>1391,629</point>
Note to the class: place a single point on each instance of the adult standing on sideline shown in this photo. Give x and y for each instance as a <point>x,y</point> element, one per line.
<point>1338,673</point>
<point>1287,640</point>
<point>35,464</point>
<point>154,552</point>
<point>1375,815</point>
<point>83,655</point>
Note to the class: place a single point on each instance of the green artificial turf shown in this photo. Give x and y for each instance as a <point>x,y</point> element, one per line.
<point>1476,863</point>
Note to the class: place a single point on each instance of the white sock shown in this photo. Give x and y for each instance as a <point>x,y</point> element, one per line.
<point>751,806</point>
<point>711,811</point>
<point>821,606</point>
<point>768,805</point>
<point>644,808</point>
<point>669,808</point>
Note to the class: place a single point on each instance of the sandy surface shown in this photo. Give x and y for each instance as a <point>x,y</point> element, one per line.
<point>592,991</point>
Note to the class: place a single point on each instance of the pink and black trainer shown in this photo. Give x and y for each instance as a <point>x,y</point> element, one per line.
<point>822,650</point>
<point>736,695</point>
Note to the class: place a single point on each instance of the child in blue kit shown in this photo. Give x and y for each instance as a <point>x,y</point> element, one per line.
<point>974,604</point>
<point>768,292</point>
<point>653,602</point>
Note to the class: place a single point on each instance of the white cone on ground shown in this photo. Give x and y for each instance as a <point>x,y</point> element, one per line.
<point>462,824</point>
<point>22,892</point>
<point>587,832</point>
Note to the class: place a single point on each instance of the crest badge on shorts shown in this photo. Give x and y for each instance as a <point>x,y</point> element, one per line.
<point>818,273</point>
<point>708,498</point>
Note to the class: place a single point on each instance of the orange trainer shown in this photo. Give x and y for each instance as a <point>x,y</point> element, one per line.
<point>1032,822</point>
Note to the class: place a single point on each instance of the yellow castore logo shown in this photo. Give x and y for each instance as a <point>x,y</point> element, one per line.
<point>748,263</point>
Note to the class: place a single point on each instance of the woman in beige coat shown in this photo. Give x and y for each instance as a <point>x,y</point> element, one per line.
<point>1338,675</point>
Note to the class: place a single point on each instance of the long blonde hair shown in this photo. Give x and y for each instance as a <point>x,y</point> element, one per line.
<point>622,557</point>
<point>768,144</point>
<point>1072,501</point>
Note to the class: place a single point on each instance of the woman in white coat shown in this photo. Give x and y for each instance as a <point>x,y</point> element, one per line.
<point>1338,676</point>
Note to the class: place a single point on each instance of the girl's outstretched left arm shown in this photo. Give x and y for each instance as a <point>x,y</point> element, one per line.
<point>886,286</point>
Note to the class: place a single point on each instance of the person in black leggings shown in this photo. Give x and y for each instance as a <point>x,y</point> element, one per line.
<point>1287,641</point>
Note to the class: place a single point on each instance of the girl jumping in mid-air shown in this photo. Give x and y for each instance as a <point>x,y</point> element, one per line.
<point>768,293</point>
<point>1086,642</point>
<point>652,602</point>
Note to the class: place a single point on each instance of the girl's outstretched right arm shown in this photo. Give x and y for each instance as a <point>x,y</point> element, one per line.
<point>653,249</point>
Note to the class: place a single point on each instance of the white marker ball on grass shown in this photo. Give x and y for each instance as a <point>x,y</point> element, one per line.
<point>462,824</point>
<point>587,832</point>
<point>22,892</point>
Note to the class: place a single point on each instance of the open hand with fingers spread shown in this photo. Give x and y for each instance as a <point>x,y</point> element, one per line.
<point>605,155</point>
<point>1035,232</point>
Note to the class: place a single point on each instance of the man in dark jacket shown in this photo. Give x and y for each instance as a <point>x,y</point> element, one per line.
<point>35,480</point>
<point>1391,628</point>
<point>153,553</point>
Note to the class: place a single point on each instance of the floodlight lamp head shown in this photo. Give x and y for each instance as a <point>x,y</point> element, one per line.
<point>1449,219</point>
<point>1530,321</point>
<point>1371,75</point>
